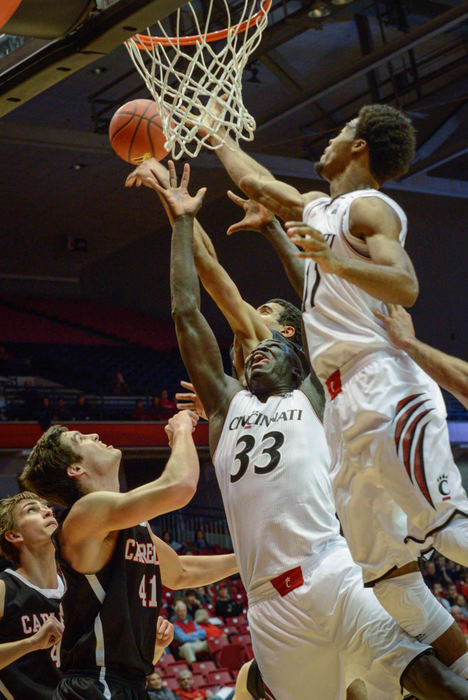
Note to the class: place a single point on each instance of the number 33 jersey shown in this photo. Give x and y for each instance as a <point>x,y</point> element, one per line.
<point>338,316</point>
<point>272,464</point>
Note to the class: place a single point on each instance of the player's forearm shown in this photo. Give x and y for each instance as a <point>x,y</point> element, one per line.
<point>185,288</point>
<point>389,283</point>
<point>203,570</point>
<point>12,651</point>
<point>450,372</point>
<point>281,199</point>
<point>238,163</point>
<point>287,253</point>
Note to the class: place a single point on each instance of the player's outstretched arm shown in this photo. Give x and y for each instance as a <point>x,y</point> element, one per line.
<point>258,218</point>
<point>388,275</point>
<point>448,371</point>
<point>198,346</point>
<point>97,514</point>
<point>191,572</point>
<point>49,634</point>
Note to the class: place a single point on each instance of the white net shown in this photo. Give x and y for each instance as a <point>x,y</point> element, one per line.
<point>197,80</point>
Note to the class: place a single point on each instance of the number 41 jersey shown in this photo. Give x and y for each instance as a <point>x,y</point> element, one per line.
<point>272,464</point>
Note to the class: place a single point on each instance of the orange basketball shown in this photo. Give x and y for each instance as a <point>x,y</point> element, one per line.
<point>135,132</point>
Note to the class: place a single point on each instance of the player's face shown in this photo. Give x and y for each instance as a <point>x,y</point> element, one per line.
<point>267,367</point>
<point>35,522</point>
<point>96,457</point>
<point>271,313</point>
<point>337,154</point>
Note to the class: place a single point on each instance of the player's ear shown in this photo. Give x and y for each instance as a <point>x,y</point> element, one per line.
<point>74,471</point>
<point>13,536</point>
<point>288,331</point>
<point>359,146</point>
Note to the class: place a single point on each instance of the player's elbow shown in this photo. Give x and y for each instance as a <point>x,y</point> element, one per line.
<point>409,291</point>
<point>180,492</point>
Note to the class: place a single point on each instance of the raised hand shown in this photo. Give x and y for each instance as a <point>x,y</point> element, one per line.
<point>190,400</point>
<point>177,197</point>
<point>49,634</point>
<point>181,421</point>
<point>313,244</point>
<point>143,174</point>
<point>256,216</point>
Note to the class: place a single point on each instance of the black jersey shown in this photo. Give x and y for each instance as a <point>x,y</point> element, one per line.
<point>110,616</point>
<point>27,607</point>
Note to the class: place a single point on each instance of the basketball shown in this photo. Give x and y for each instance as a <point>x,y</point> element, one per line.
<point>135,132</point>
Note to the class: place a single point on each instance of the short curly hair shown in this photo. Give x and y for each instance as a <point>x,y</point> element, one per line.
<point>45,471</point>
<point>391,139</point>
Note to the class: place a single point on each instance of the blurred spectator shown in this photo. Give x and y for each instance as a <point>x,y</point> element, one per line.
<point>459,619</point>
<point>225,606</point>
<point>81,409</point>
<point>437,591</point>
<point>190,636</point>
<point>155,689</point>
<point>168,407</point>
<point>441,570</point>
<point>119,385</point>
<point>203,595</point>
<point>167,537</point>
<point>46,413</point>
<point>431,575</point>
<point>61,412</point>
<point>31,402</point>
<point>200,541</point>
<point>139,412</point>
<point>155,412</point>
<point>460,601</point>
<point>192,602</point>
<point>185,692</point>
<point>212,631</point>
<point>452,593</point>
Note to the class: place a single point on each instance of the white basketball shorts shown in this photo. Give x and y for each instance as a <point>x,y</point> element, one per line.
<point>390,452</point>
<point>312,642</point>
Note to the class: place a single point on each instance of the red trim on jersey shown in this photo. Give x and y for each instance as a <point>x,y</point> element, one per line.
<point>404,418</point>
<point>419,471</point>
<point>334,384</point>
<point>287,582</point>
<point>408,441</point>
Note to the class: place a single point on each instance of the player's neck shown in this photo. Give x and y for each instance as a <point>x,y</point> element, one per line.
<point>355,177</point>
<point>39,566</point>
<point>280,390</point>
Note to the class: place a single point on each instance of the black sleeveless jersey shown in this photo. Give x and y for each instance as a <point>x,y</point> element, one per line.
<point>110,616</point>
<point>27,607</point>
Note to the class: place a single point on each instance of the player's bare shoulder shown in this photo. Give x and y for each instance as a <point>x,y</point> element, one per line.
<point>371,215</point>
<point>308,197</point>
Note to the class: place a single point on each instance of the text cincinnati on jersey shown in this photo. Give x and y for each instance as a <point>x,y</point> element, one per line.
<point>258,418</point>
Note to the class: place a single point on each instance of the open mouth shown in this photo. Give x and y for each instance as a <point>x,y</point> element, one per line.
<point>259,359</point>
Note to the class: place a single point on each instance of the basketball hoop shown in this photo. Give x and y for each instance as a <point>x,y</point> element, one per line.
<point>199,92</point>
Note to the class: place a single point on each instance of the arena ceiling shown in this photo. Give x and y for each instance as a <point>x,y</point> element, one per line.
<point>318,62</point>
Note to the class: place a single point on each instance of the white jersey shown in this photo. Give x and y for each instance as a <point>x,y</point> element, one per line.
<point>272,464</point>
<point>338,316</point>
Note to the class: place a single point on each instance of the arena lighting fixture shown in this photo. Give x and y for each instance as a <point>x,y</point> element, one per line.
<point>319,10</point>
<point>342,2</point>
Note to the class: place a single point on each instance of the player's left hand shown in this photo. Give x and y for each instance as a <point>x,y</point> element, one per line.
<point>177,197</point>
<point>190,400</point>
<point>256,216</point>
<point>399,325</point>
<point>164,632</point>
<point>313,244</point>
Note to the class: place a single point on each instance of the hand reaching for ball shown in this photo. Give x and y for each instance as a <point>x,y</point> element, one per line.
<point>177,197</point>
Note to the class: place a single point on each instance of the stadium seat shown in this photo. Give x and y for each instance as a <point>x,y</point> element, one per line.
<point>203,667</point>
<point>220,678</point>
<point>231,657</point>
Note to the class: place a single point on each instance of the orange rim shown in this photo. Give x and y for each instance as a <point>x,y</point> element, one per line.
<point>144,41</point>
